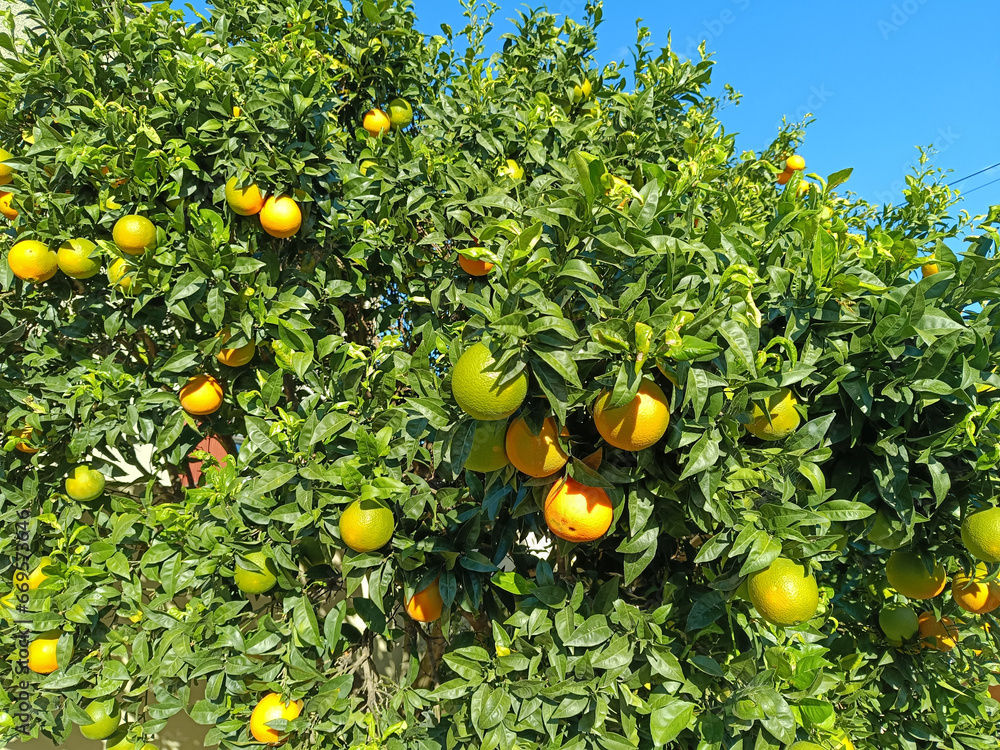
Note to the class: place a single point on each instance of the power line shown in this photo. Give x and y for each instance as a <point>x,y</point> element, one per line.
<point>982,186</point>
<point>955,182</point>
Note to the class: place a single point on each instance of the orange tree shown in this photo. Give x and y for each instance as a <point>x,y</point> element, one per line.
<point>782,398</point>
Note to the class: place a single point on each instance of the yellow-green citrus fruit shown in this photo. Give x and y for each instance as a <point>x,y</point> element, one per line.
<point>78,260</point>
<point>5,170</point>
<point>259,581</point>
<point>582,91</point>
<point>376,122</point>
<point>785,593</point>
<point>929,269</point>
<point>911,578</point>
<point>31,260</point>
<point>121,275</point>
<point>367,525</point>
<point>134,235</point>
<point>475,386</point>
<point>780,420</point>
<point>244,198</point>
<point>7,205</point>
<point>538,455</point>
<point>400,113</point>
<point>85,484</point>
<point>636,425</point>
<point>119,740</point>
<point>981,535</point>
<point>105,716</point>
<point>272,706</point>
<point>489,452</point>
<point>883,535</point>
<point>511,169</point>
<point>898,622</point>
<point>38,575</point>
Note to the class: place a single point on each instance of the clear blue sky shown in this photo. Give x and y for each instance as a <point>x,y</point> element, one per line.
<point>880,76</point>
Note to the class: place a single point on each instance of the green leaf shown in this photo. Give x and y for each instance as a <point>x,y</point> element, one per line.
<point>667,721</point>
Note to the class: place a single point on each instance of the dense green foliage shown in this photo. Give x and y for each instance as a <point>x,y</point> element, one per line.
<point>696,261</point>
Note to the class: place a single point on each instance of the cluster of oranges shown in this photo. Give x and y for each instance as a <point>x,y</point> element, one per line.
<point>793,164</point>
<point>574,511</point>
<point>924,578</point>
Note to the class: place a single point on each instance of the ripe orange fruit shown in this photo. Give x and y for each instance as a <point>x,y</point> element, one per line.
<point>577,512</point>
<point>6,207</point>
<point>638,424</point>
<point>941,635</point>
<point>426,605</point>
<point>258,581</point>
<point>78,260</point>
<point>281,217</point>
<point>489,451</point>
<point>31,260</point>
<point>780,420</point>
<point>201,395</point>
<point>376,122</point>
<point>784,593</point>
<point>367,525</point>
<point>795,163</point>
<point>474,267</point>
<point>911,578</point>
<point>235,357</point>
<point>121,275</point>
<point>42,652</point>
<point>25,433</point>
<point>474,384</point>
<point>535,455</point>
<point>272,706</point>
<point>929,269</point>
<point>134,235</point>
<point>243,198</point>
<point>973,594</point>
<point>981,534</point>
<point>784,177</point>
